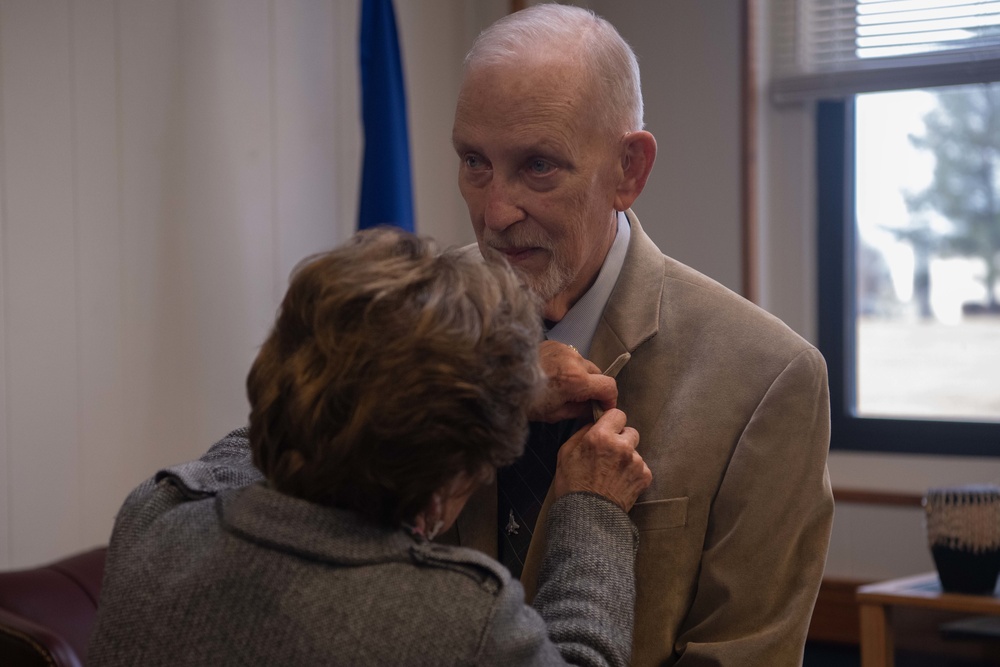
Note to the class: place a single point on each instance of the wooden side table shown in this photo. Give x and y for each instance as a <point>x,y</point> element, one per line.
<point>876,601</point>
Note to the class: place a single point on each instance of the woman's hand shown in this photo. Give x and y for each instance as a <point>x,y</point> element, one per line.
<point>602,459</point>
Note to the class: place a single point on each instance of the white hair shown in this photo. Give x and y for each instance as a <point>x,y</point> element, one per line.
<point>581,34</point>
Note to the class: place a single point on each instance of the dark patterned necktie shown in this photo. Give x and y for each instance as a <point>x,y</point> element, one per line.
<point>522,487</point>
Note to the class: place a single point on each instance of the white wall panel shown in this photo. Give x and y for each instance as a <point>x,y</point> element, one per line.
<point>149,117</point>
<point>312,53</point>
<point>103,446</point>
<point>217,263</point>
<point>40,278</point>
<point>5,491</point>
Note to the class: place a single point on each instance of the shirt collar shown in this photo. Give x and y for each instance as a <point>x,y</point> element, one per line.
<point>578,326</point>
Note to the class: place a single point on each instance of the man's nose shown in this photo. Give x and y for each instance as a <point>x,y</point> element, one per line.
<point>502,207</point>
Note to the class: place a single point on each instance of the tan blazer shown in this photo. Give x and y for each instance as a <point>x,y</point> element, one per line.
<point>732,410</point>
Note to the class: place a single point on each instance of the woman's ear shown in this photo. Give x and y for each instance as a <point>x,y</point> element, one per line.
<point>638,152</point>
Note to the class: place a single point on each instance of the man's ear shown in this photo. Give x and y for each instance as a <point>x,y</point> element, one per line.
<point>637,155</point>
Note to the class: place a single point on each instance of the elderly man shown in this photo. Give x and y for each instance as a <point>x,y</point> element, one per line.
<point>731,406</point>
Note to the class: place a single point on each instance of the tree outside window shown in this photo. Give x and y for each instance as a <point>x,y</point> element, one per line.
<point>928,253</point>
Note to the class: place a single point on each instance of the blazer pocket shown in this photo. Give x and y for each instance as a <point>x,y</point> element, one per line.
<point>660,514</point>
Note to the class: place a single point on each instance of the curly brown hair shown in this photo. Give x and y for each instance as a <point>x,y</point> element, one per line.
<point>390,370</point>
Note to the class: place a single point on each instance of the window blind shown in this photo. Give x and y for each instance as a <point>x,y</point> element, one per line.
<point>832,48</point>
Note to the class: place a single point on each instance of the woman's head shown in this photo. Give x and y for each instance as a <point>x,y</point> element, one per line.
<point>391,370</point>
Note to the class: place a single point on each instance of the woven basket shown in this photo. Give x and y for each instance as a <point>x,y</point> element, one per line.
<point>963,532</point>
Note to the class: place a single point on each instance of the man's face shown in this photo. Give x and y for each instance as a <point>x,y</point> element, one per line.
<point>538,175</point>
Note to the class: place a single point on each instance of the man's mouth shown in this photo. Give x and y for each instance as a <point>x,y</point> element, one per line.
<point>516,254</point>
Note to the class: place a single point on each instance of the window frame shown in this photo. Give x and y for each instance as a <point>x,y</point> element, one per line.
<point>836,237</point>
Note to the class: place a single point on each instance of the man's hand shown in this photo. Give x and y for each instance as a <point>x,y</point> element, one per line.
<point>572,383</point>
<point>601,458</point>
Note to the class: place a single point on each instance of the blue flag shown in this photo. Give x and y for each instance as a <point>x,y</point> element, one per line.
<point>386,190</point>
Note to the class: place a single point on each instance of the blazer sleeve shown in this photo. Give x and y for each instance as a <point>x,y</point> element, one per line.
<point>769,530</point>
<point>584,609</point>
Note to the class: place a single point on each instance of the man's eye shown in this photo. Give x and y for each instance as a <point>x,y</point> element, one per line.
<point>539,167</point>
<point>474,162</point>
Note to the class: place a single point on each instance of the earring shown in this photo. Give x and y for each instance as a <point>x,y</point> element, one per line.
<point>432,533</point>
<point>436,509</point>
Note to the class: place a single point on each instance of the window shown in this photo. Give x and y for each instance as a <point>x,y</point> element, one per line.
<point>927,253</point>
<point>908,160</point>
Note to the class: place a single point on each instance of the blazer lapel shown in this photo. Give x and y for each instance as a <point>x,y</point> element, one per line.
<point>632,315</point>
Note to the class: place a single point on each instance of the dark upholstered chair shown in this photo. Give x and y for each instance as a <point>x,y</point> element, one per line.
<point>47,612</point>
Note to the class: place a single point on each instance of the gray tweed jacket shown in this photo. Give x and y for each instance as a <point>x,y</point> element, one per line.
<point>208,566</point>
